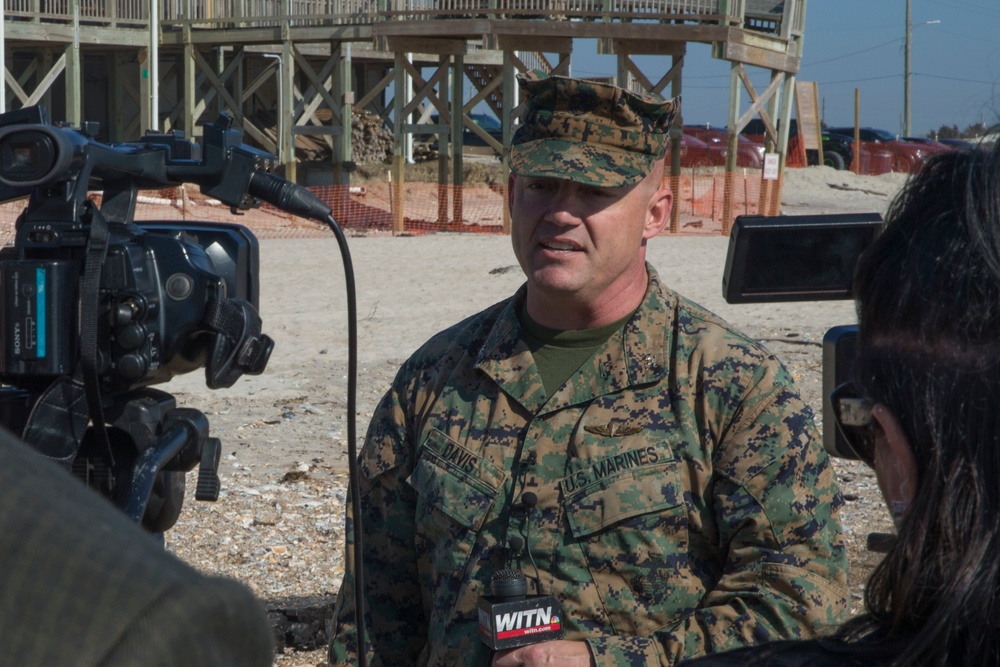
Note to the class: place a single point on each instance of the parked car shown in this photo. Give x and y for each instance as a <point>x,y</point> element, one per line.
<point>487,122</point>
<point>960,144</point>
<point>836,153</point>
<point>906,156</point>
<point>749,153</point>
<point>695,153</point>
<point>933,144</point>
<point>470,138</point>
<point>838,149</point>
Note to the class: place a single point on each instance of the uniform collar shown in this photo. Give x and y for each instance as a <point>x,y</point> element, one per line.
<point>634,355</point>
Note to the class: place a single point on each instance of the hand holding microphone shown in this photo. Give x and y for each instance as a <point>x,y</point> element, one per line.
<point>509,617</point>
<point>562,652</point>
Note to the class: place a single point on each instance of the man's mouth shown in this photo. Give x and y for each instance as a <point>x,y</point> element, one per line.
<point>558,246</point>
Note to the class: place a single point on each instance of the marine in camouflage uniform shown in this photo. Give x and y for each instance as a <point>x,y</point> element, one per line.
<point>684,504</point>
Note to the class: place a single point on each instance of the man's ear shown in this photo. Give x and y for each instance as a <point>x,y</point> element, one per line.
<point>658,214</point>
<point>895,465</point>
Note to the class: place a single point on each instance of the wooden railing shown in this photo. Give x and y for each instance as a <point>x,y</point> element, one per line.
<point>763,15</point>
<point>111,13</point>
<point>325,11</point>
<point>261,13</point>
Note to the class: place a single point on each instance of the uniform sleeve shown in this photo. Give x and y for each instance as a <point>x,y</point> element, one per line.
<point>776,503</point>
<point>395,626</point>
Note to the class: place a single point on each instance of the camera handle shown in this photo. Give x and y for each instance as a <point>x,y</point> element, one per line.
<point>168,440</point>
<point>155,443</point>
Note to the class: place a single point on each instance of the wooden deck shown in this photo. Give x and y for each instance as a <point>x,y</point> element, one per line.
<point>304,15</point>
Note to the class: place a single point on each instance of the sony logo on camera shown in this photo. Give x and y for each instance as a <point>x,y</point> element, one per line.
<point>27,313</point>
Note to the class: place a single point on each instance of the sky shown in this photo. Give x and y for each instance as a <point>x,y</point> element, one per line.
<point>858,44</point>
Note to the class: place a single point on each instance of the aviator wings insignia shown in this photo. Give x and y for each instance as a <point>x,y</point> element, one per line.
<point>615,428</point>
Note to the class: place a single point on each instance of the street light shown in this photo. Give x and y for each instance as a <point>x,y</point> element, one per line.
<point>906,70</point>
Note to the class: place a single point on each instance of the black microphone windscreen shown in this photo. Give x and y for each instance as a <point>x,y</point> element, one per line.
<point>508,583</point>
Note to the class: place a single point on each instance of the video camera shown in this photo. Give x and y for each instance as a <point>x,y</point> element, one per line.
<point>803,258</point>
<point>95,307</point>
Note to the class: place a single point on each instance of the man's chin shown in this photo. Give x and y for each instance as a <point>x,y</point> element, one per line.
<point>555,282</point>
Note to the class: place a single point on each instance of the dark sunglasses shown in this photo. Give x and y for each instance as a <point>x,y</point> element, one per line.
<point>852,411</point>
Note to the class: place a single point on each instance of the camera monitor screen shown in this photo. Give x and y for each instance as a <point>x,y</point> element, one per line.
<point>795,258</point>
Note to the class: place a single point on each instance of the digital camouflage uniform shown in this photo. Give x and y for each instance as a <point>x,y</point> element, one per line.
<point>684,503</point>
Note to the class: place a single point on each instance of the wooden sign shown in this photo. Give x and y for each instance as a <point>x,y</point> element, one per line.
<point>807,112</point>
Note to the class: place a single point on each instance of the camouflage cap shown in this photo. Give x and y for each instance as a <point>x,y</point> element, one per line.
<point>592,133</point>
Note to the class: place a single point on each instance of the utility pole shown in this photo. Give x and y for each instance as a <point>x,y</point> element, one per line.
<point>906,69</point>
<point>906,74</point>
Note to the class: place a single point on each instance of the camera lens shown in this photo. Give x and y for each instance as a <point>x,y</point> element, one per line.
<point>26,157</point>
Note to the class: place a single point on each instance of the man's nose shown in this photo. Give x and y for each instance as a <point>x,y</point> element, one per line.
<point>562,208</point>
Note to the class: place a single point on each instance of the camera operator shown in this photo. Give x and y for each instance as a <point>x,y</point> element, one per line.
<point>636,457</point>
<point>82,585</point>
<point>924,411</point>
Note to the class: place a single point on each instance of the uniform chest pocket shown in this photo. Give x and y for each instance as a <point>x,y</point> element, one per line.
<point>631,525</point>
<point>609,498</point>
<point>454,482</point>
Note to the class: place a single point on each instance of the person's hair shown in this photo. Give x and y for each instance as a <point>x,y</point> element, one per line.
<point>928,300</point>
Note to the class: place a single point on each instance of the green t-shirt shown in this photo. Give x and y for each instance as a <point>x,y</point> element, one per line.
<point>558,354</point>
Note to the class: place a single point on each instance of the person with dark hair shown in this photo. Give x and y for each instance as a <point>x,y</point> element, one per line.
<point>84,586</point>
<point>924,411</point>
<point>628,451</point>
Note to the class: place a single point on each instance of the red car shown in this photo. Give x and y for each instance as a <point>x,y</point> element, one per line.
<point>906,156</point>
<point>696,154</point>
<point>749,153</point>
<point>929,143</point>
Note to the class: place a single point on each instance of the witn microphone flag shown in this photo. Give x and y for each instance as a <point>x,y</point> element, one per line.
<point>512,623</point>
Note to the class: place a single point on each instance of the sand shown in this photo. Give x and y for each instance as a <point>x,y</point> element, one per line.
<point>279,525</point>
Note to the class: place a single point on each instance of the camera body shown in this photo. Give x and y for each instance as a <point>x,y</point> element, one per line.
<point>804,258</point>
<point>95,308</point>
<point>156,281</point>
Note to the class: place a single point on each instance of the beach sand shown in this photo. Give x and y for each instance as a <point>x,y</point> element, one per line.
<point>284,432</point>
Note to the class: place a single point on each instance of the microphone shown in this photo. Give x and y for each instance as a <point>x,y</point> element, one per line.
<point>510,617</point>
<point>528,502</point>
<point>287,196</point>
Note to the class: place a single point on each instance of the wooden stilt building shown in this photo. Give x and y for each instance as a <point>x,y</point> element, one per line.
<point>290,69</point>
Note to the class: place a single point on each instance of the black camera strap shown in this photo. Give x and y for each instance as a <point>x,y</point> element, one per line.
<point>90,291</point>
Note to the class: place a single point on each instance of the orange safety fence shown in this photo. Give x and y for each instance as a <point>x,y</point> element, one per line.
<point>700,199</point>
<point>700,202</point>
